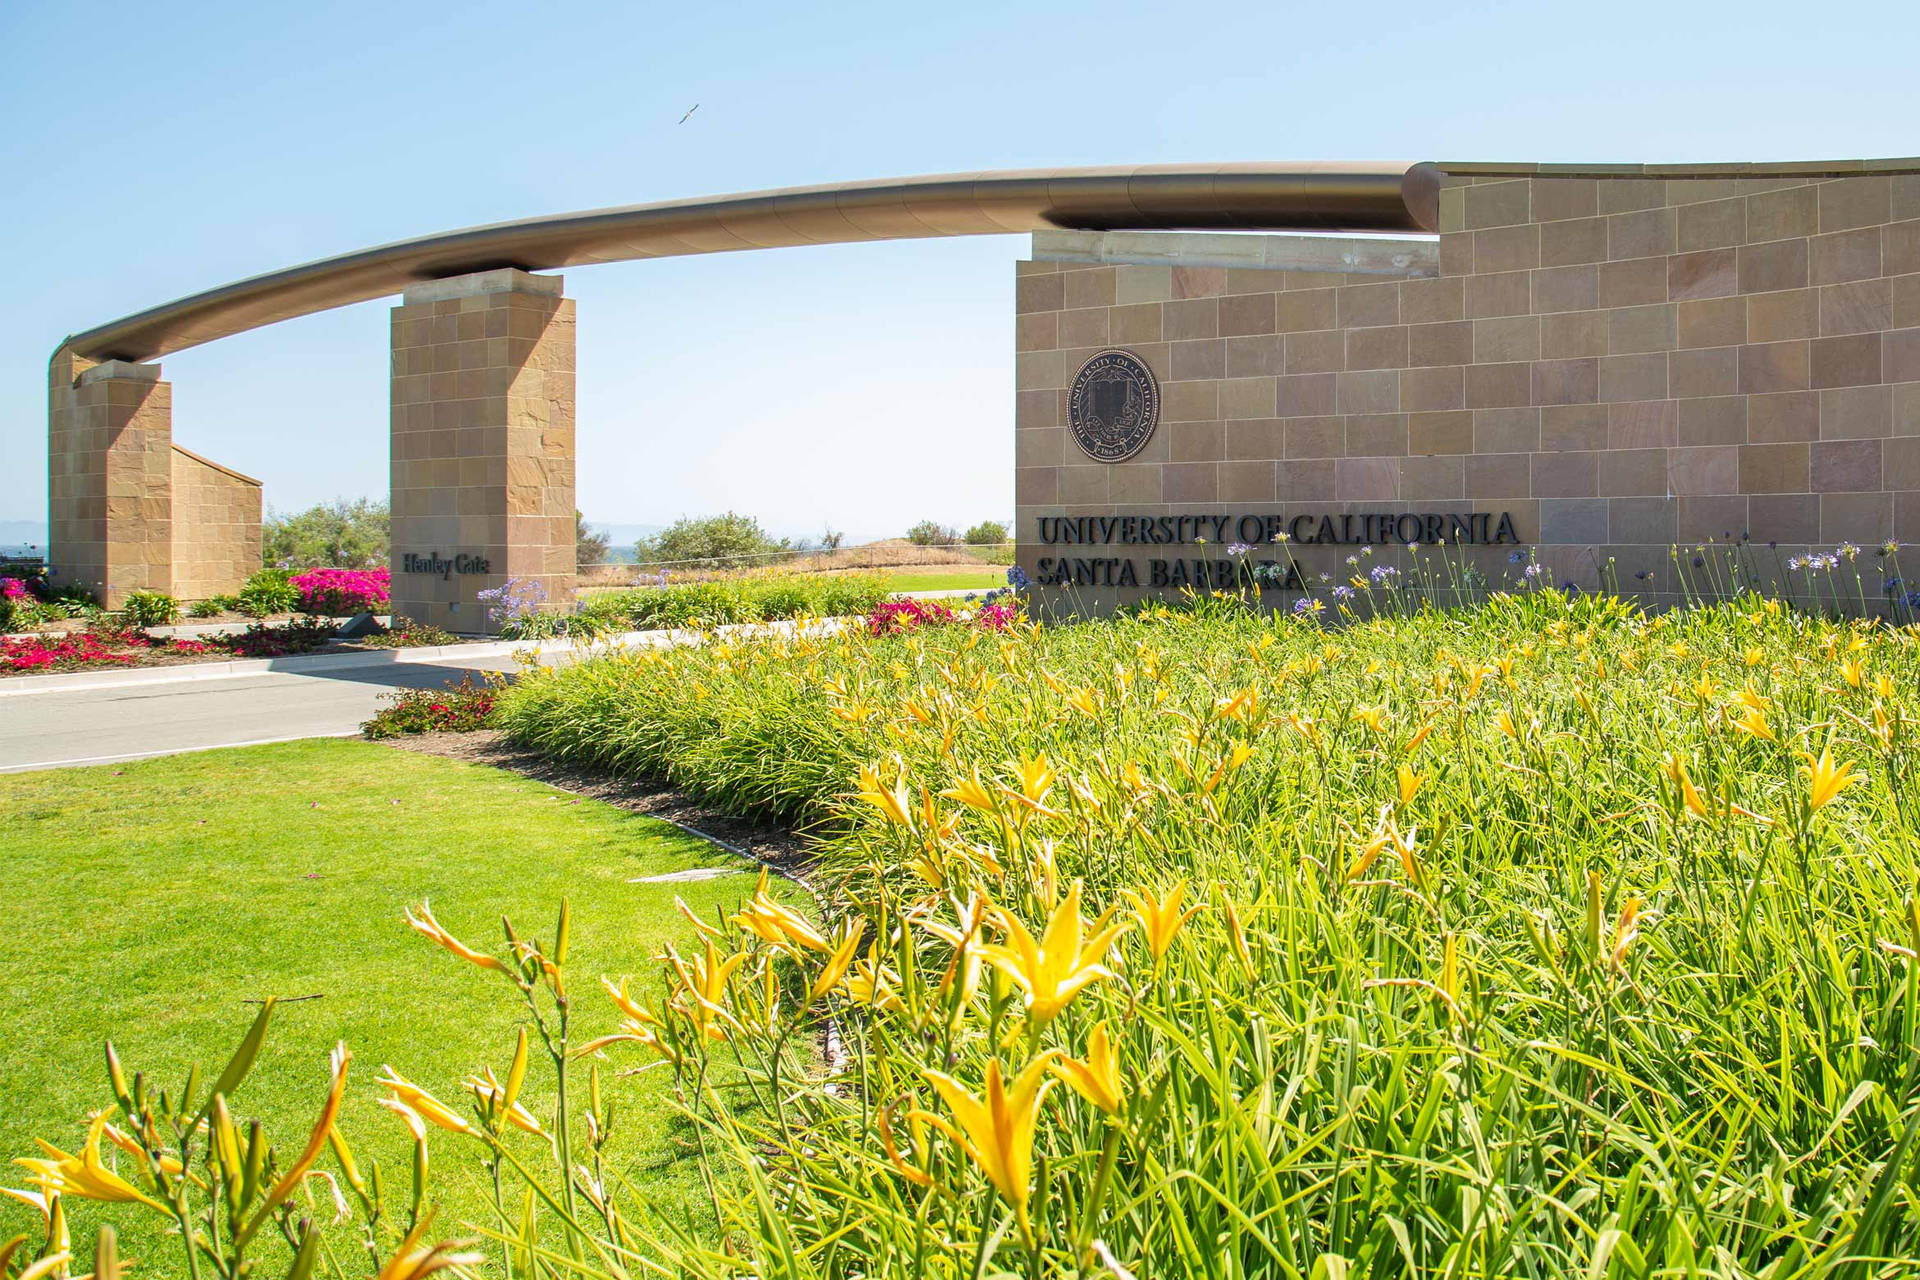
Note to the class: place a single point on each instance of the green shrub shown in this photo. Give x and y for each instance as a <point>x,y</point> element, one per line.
<point>931,533</point>
<point>712,542</point>
<point>405,633</point>
<point>338,535</point>
<point>727,601</point>
<point>204,609</point>
<point>462,708</point>
<point>268,592</point>
<point>987,533</point>
<point>149,609</point>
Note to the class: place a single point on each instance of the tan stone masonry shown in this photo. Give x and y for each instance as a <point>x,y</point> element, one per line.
<point>1620,361</point>
<point>482,443</point>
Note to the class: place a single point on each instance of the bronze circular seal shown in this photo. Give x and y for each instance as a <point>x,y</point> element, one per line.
<point>1113,406</point>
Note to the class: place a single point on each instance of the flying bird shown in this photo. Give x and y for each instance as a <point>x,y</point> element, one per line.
<point>690,110</point>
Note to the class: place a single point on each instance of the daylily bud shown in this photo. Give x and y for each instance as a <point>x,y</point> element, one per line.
<point>118,1080</point>
<point>517,1073</point>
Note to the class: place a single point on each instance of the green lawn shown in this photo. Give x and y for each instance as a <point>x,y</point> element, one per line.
<point>901,581</point>
<point>150,901</point>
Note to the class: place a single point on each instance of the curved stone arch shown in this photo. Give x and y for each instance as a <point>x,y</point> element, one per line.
<point>482,374</point>
<point>1351,197</point>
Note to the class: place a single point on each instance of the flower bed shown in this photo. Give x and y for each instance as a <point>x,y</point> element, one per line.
<point>890,617</point>
<point>82,650</point>
<point>101,647</point>
<point>462,708</point>
<point>1541,934</point>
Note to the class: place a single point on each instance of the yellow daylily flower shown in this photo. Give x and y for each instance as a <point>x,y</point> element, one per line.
<point>1676,770</point>
<point>1036,779</point>
<point>915,1173</point>
<point>1410,784</point>
<point>1625,930</point>
<point>408,1116</point>
<point>1824,779</point>
<point>1060,965</point>
<point>322,1130</point>
<point>972,792</point>
<point>1160,919</point>
<point>704,982</point>
<point>838,960</point>
<point>1419,736</point>
<point>893,802</point>
<point>1755,724</point>
<point>997,1131</point>
<point>84,1176</point>
<point>424,923</point>
<point>769,921</point>
<point>428,1106</point>
<point>493,1094</point>
<point>410,1261</point>
<point>1097,1079</point>
<point>126,1142</point>
<point>1375,718</point>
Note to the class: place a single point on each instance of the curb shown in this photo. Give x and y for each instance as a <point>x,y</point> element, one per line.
<point>302,664</point>
<point>293,664</point>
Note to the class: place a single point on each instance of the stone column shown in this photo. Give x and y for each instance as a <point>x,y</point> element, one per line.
<point>110,469</point>
<point>482,450</point>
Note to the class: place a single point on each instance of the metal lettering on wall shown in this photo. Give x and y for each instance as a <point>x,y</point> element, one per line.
<point>440,566</point>
<point>1113,406</point>
<point>1251,532</point>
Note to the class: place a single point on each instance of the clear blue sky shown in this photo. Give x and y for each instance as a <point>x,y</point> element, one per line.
<point>157,153</point>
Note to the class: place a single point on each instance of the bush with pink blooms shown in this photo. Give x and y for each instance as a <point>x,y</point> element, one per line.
<point>338,592</point>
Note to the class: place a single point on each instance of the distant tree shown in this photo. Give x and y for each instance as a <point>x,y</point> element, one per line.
<point>831,539</point>
<point>931,533</point>
<point>716,542</point>
<point>986,534</point>
<point>334,535</point>
<point>590,545</point>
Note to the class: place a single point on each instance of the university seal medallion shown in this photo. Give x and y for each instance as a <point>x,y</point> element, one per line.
<point>1113,406</point>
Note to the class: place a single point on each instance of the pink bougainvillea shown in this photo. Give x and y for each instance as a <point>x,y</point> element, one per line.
<point>13,589</point>
<point>336,592</point>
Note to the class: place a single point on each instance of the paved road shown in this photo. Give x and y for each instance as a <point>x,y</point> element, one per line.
<point>98,726</point>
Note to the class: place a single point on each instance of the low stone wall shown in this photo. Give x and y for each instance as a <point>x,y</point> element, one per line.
<point>216,527</point>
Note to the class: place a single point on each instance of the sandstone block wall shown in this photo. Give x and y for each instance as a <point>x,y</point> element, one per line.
<point>216,527</point>
<point>110,446</point>
<point>1622,359</point>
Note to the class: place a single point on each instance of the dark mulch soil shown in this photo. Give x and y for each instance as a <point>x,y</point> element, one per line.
<point>786,852</point>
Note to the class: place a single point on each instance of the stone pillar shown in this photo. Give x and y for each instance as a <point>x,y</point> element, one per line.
<point>483,440</point>
<point>110,476</point>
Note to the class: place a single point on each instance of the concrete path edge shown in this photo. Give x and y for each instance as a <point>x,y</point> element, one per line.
<point>313,663</point>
